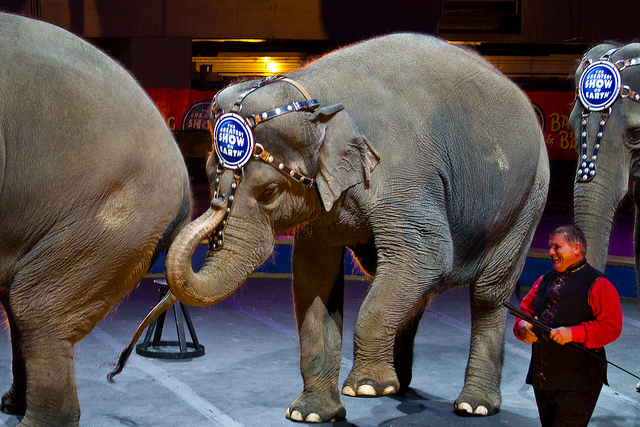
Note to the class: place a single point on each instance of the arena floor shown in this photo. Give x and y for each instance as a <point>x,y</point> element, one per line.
<point>250,373</point>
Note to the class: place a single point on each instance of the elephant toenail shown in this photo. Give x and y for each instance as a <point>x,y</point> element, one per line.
<point>366,390</point>
<point>464,406</point>
<point>313,418</point>
<point>348,391</point>
<point>296,416</point>
<point>481,410</point>
<point>389,390</point>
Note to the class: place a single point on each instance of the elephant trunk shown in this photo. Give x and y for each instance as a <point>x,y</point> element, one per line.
<point>595,204</point>
<point>190,287</point>
<point>223,270</point>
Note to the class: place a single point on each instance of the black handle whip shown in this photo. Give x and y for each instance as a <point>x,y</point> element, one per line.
<point>535,322</point>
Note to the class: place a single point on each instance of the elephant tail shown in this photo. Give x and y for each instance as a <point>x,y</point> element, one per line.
<point>164,304</point>
<point>178,222</point>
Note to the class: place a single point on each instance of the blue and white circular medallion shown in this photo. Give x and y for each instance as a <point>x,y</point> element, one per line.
<point>196,117</point>
<point>233,140</point>
<point>599,86</point>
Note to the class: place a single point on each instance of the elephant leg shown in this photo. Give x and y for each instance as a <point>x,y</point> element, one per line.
<point>481,392</point>
<point>318,290</point>
<point>52,310</point>
<point>50,372</point>
<point>14,401</point>
<point>403,350</point>
<point>503,267</point>
<point>388,319</point>
<point>382,338</point>
<point>403,345</point>
<point>45,374</point>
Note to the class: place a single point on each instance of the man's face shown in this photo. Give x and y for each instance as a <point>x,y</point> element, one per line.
<point>562,253</point>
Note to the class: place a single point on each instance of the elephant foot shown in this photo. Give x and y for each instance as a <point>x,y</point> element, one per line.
<point>317,407</point>
<point>43,418</point>
<point>13,403</point>
<point>477,403</point>
<point>371,382</point>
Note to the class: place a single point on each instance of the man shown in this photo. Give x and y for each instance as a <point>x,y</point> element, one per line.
<point>579,304</point>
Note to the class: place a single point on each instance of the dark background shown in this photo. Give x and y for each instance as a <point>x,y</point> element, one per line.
<point>536,43</point>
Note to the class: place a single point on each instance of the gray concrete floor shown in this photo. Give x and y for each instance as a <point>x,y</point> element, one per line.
<point>250,372</point>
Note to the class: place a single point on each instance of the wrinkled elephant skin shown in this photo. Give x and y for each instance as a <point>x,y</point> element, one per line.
<point>618,157</point>
<point>428,164</point>
<point>92,188</point>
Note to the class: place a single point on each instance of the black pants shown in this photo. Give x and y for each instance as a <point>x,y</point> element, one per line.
<point>566,408</point>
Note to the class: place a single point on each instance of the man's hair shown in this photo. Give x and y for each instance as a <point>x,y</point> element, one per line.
<point>572,234</point>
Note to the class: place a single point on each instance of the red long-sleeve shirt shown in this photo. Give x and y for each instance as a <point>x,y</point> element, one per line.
<point>605,303</point>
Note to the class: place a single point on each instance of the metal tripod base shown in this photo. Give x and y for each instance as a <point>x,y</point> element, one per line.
<point>161,349</point>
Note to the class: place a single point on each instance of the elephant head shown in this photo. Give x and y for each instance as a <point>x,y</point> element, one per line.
<point>288,160</point>
<point>606,122</point>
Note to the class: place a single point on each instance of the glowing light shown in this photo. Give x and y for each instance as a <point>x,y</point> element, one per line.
<point>272,67</point>
<point>245,63</point>
<point>231,40</point>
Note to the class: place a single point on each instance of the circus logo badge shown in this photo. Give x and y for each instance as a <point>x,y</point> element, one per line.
<point>197,116</point>
<point>233,140</point>
<point>599,86</point>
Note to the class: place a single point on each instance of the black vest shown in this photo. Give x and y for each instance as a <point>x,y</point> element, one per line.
<point>563,300</point>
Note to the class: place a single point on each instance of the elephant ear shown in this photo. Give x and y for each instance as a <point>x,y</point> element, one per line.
<point>345,157</point>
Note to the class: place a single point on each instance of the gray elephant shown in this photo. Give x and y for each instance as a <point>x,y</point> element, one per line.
<point>606,123</point>
<point>92,189</point>
<point>416,155</point>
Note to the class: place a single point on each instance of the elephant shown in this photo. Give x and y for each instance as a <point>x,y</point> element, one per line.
<point>606,122</point>
<point>93,187</point>
<point>419,157</point>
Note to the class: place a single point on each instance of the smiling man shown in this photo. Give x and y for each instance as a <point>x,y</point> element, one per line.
<point>579,304</point>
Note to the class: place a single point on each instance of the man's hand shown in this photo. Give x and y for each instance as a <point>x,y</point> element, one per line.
<point>526,332</point>
<point>561,335</point>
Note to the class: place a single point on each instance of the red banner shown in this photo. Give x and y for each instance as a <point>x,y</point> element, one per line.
<point>553,110</point>
<point>183,109</point>
<point>189,110</point>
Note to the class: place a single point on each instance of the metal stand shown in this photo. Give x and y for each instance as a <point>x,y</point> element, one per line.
<point>180,349</point>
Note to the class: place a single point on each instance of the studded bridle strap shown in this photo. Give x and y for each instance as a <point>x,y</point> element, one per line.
<point>237,106</point>
<point>308,104</point>
<point>626,92</point>
<point>624,63</point>
<point>587,165</point>
<point>216,239</point>
<point>268,158</point>
<point>586,61</point>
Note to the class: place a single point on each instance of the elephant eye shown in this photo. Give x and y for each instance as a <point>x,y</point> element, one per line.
<point>269,193</point>
<point>632,137</point>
